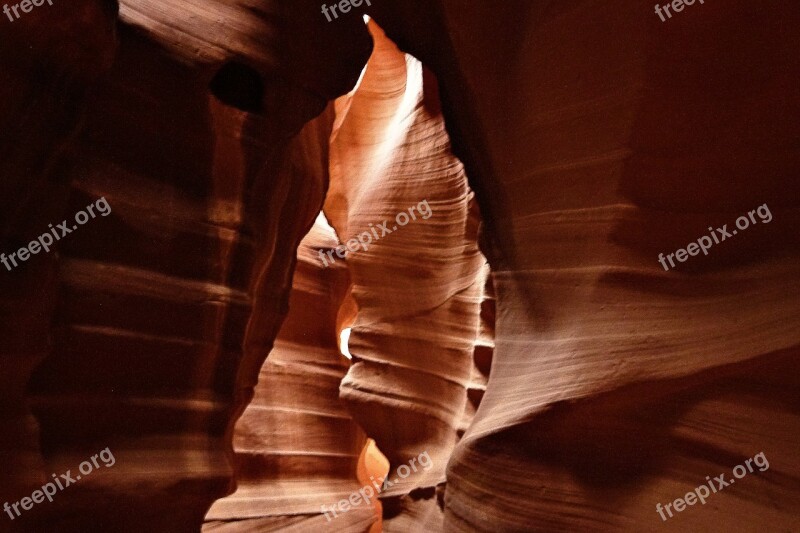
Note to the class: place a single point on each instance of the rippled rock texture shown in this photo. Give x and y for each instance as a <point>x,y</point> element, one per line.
<point>573,384</point>
<point>297,447</point>
<point>136,331</point>
<point>418,285</point>
<point>600,138</point>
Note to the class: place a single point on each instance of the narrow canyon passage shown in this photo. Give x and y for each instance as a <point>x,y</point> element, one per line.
<point>407,285</point>
<point>399,265</point>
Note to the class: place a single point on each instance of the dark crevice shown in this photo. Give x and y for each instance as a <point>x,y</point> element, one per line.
<point>239,86</point>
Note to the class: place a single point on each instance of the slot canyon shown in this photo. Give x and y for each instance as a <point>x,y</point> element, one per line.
<point>399,265</point>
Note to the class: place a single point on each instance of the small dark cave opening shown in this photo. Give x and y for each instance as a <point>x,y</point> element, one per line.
<point>239,86</point>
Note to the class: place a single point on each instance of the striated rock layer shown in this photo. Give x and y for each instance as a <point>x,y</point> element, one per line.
<point>48,62</point>
<point>160,314</point>
<point>396,186</point>
<point>594,136</point>
<point>597,137</point>
<point>296,446</point>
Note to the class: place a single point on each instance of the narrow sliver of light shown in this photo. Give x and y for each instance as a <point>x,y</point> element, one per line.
<point>344,339</point>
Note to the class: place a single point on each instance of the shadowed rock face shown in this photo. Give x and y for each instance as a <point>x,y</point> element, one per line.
<point>594,138</point>
<point>600,138</point>
<point>47,61</point>
<point>138,326</point>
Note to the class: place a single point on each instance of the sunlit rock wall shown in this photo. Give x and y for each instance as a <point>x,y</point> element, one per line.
<point>417,284</point>
<point>296,445</point>
<point>594,136</point>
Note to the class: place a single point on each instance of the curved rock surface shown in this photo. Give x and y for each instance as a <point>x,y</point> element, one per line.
<point>47,65</point>
<point>628,137</point>
<point>213,174</point>
<point>394,113</point>
<point>585,386</point>
<point>297,448</point>
<point>396,186</point>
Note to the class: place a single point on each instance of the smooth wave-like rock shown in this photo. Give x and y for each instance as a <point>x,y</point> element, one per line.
<point>297,448</point>
<point>136,329</point>
<point>48,64</point>
<point>597,137</point>
<point>419,278</point>
<point>580,388</point>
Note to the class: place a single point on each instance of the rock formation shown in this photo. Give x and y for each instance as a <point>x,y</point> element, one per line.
<point>575,385</point>
<point>396,185</point>
<point>595,138</point>
<point>297,448</point>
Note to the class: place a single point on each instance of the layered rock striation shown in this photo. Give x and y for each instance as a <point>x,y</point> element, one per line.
<point>585,386</point>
